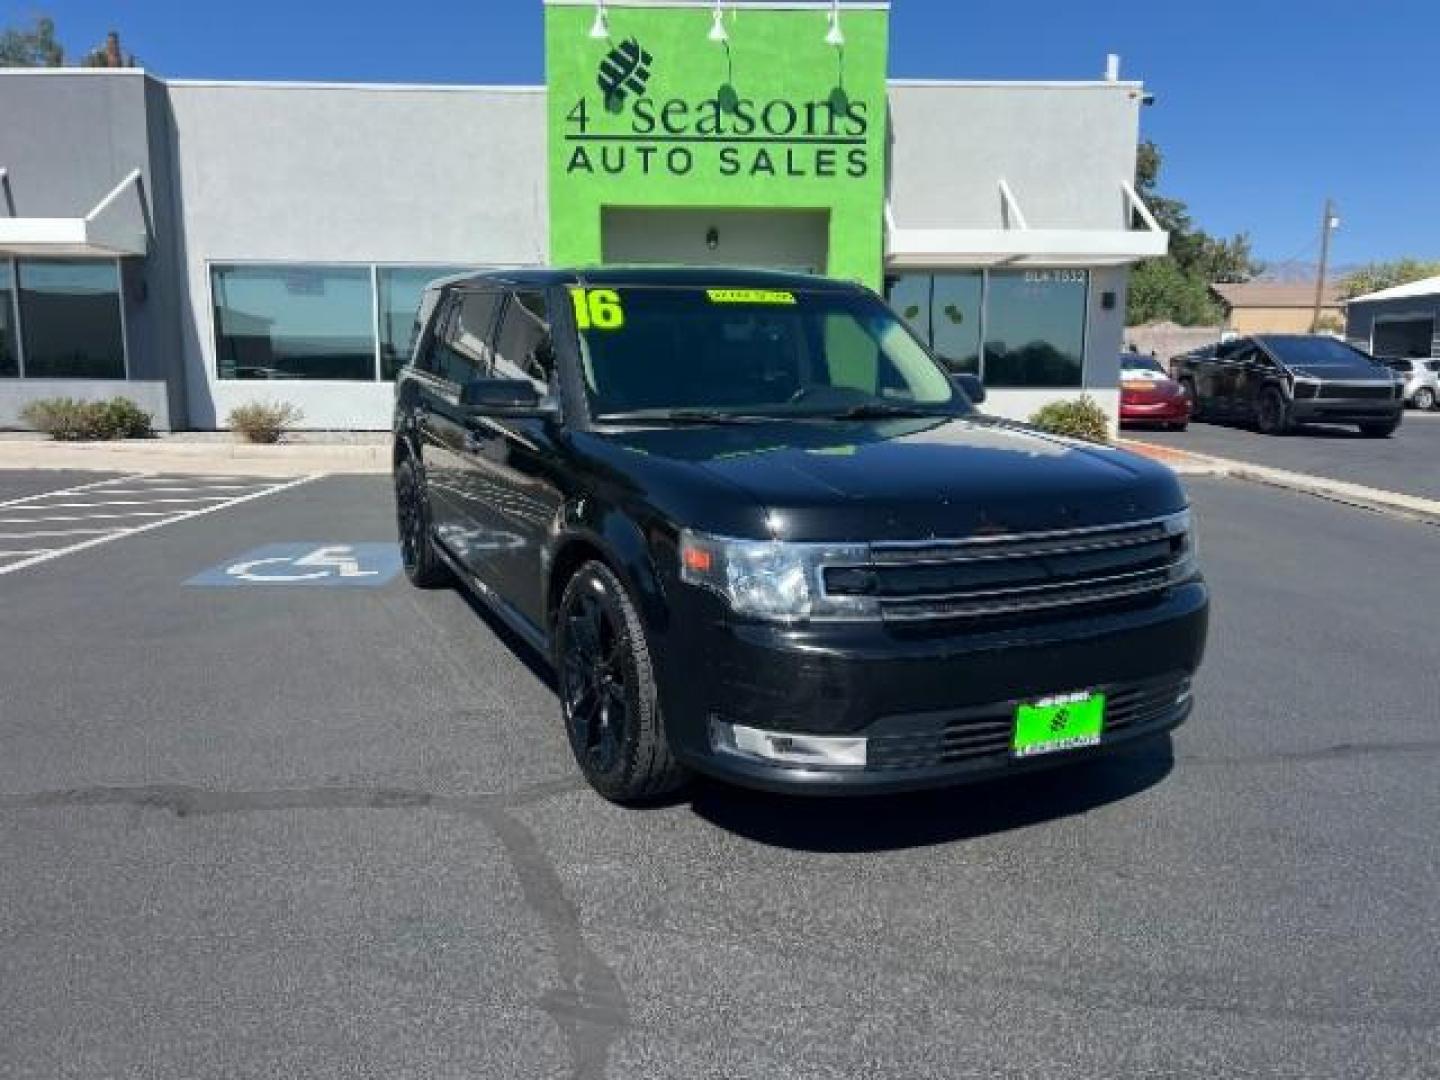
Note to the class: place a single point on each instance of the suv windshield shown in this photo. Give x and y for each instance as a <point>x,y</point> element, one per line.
<point>1313,352</point>
<point>712,354</point>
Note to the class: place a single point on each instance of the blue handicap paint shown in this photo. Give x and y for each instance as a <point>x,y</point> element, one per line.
<point>311,564</point>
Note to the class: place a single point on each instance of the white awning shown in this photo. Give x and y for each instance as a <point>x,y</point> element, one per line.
<point>116,226</point>
<point>1015,243</point>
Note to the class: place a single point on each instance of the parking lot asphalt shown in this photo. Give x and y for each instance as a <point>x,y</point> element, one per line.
<point>1407,462</point>
<point>289,830</point>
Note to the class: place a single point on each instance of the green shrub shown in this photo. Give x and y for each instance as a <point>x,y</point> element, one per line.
<point>1082,418</point>
<point>69,419</point>
<point>121,418</point>
<point>260,422</point>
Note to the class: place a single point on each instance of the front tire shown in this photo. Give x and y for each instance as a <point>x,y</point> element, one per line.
<point>422,563</point>
<point>1272,414</point>
<point>1424,399</point>
<point>608,697</point>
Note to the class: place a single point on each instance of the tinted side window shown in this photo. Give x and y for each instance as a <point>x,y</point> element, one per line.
<point>523,347</point>
<point>464,353</point>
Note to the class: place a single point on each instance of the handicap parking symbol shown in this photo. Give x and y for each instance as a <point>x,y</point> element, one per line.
<point>365,566</point>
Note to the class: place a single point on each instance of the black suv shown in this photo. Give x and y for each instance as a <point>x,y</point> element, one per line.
<point>1280,381</point>
<point>762,534</point>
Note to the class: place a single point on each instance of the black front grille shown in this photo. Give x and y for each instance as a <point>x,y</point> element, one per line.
<point>1335,391</point>
<point>991,576</point>
<point>928,740</point>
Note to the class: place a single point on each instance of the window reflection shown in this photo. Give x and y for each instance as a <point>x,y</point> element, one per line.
<point>1033,322</point>
<point>70,316</point>
<point>1035,328</point>
<point>9,349</point>
<point>294,322</point>
<point>400,288</point>
<point>955,320</point>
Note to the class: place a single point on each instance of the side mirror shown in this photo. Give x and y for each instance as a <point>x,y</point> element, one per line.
<point>501,397</point>
<point>971,386</point>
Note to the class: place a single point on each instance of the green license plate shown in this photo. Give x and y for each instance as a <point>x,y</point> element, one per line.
<point>1060,722</point>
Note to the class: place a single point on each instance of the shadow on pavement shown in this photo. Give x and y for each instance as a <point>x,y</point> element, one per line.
<point>892,822</point>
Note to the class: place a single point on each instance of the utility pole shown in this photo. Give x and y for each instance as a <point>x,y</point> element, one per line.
<point>1327,224</point>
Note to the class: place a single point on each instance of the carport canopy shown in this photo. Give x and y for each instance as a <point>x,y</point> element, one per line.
<point>116,226</point>
<point>1015,243</point>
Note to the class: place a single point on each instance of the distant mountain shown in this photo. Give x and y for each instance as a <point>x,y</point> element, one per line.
<point>1294,272</point>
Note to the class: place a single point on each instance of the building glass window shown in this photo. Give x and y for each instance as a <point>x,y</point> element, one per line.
<point>1035,328</point>
<point>909,295</point>
<point>294,322</point>
<point>955,320</point>
<point>399,291</point>
<point>71,321</point>
<point>9,340</point>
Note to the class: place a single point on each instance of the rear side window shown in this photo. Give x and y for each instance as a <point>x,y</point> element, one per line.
<point>523,347</point>
<point>463,354</point>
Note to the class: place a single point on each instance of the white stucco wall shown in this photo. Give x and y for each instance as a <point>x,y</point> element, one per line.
<point>336,174</point>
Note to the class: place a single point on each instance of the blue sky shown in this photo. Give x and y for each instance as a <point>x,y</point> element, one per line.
<point>1264,106</point>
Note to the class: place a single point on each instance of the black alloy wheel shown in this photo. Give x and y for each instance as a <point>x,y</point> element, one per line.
<point>1272,414</point>
<point>607,691</point>
<point>412,519</point>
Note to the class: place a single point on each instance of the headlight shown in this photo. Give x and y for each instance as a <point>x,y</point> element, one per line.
<point>772,579</point>
<point>1180,528</point>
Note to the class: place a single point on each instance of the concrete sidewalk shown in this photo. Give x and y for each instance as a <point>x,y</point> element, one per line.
<point>179,455</point>
<point>1395,503</point>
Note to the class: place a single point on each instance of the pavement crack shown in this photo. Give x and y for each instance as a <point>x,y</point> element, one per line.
<point>588,1003</point>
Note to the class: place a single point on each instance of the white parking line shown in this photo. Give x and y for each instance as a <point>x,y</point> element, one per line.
<point>17,554</point>
<point>58,532</point>
<point>120,502</point>
<point>108,535</point>
<point>86,517</point>
<point>63,491</point>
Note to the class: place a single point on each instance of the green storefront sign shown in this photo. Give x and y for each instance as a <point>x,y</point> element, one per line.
<point>660,115</point>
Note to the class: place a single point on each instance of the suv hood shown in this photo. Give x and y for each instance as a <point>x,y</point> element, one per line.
<point>914,479</point>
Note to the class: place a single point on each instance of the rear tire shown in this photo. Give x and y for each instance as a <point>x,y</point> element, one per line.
<point>1272,414</point>
<point>423,565</point>
<point>1381,430</point>
<point>608,697</point>
<point>1197,411</point>
<point>1177,426</point>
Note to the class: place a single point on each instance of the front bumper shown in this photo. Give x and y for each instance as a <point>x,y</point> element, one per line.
<point>1341,411</point>
<point>934,705</point>
<point>1168,410</point>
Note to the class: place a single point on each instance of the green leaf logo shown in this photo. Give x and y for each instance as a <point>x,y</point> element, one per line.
<point>624,70</point>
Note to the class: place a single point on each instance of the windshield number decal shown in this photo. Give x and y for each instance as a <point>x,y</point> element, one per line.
<point>598,309</point>
<point>750,296</point>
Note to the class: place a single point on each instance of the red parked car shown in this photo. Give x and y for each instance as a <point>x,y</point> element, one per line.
<point>1149,396</point>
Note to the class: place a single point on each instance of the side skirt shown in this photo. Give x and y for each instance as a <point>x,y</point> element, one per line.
<point>513,620</point>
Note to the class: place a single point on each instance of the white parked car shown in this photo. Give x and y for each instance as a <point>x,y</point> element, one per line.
<point>1422,381</point>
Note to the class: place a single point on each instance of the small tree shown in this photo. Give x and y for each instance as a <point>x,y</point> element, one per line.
<point>33,47</point>
<point>1385,275</point>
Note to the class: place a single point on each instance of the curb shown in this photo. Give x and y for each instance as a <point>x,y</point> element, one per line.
<point>1378,500</point>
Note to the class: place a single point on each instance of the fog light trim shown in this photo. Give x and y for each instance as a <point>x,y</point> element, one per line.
<point>789,748</point>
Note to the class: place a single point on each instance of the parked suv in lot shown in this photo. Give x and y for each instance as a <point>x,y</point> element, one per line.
<point>763,535</point>
<point>1279,381</point>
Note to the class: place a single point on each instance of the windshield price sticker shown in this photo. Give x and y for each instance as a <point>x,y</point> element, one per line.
<point>598,309</point>
<point>750,296</point>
